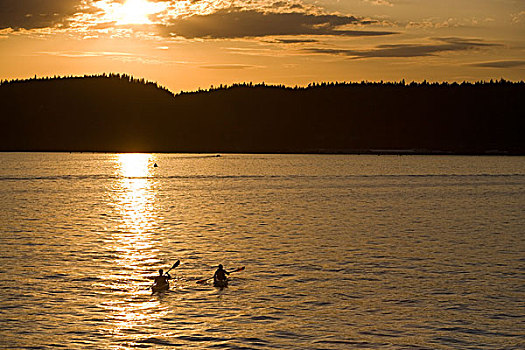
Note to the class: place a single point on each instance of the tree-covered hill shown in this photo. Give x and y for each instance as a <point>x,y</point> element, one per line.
<point>119,113</point>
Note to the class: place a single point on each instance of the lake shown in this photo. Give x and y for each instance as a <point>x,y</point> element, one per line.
<point>341,251</point>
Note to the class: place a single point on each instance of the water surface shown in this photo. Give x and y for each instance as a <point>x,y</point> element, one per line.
<point>340,251</point>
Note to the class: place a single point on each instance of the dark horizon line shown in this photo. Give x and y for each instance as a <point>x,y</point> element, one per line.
<point>130,78</point>
<point>372,152</point>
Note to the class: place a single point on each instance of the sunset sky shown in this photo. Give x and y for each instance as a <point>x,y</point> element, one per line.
<point>187,44</point>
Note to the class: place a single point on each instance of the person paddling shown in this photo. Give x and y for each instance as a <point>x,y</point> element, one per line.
<point>161,281</point>
<point>219,278</point>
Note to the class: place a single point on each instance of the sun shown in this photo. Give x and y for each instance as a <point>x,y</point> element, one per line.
<point>137,11</point>
<point>132,11</point>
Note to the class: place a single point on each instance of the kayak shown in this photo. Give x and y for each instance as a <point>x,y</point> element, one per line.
<point>160,288</point>
<point>220,283</point>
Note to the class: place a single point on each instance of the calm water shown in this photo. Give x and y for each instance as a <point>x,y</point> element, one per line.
<point>340,252</point>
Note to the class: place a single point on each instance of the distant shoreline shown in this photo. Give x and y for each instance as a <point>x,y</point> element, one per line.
<point>118,113</point>
<point>331,153</point>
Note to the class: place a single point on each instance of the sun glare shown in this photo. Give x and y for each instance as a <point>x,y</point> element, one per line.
<point>134,164</point>
<point>136,193</point>
<point>132,11</point>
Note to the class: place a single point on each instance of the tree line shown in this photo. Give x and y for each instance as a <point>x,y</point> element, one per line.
<point>119,113</point>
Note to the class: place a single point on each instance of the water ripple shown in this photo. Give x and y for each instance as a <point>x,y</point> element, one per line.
<point>340,252</point>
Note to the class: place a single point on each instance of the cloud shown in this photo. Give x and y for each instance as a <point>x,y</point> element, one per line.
<point>30,14</point>
<point>110,55</point>
<point>500,64</point>
<point>379,2</point>
<point>409,50</point>
<point>294,41</point>
<point>518,17</point>
<point>104,25</point>
<point>84,54</point>
<point>4,33</point>
<point>260,52</point>
<point>190,19</point>
<point>227,66</point>
<point>287,5</point>
<point>238,23</point>
<point>450,22</point>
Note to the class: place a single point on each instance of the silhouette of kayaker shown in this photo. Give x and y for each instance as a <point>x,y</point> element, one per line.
<point>219,277</point>
<point>162,279</point>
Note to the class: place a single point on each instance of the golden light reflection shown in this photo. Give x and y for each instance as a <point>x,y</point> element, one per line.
<point>134,201</point>
<point>135,246</point>
<point>137,197</point>
<point>129,315</point>
<point>134,164</point>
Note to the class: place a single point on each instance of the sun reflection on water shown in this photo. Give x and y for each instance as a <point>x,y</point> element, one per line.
<point>134,245</point>
<point>135,164</point>
<point>136,193</point>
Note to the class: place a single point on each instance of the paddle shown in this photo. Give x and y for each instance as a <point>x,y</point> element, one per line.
<point>207,279</point>
<point>174,266</point>
<point>171,268</point>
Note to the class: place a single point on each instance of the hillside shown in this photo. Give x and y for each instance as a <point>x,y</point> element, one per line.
<point>122,114</point>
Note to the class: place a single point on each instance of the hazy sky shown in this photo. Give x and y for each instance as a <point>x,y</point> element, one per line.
<point>187,44</point>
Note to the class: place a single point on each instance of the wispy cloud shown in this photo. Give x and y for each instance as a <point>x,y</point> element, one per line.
<point>112,55</point>
<point>293,41</point>
<point>379,2</point>
<point>500,64</point>
<point>408,50</point>
<point>227,66</point>
<point>259,51</point>
<point>518,17</point>
<point>450,22</point>
<point>82,54</point>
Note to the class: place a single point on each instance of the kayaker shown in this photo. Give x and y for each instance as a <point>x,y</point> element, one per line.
<point>220,275</point>
<point>162,279</point>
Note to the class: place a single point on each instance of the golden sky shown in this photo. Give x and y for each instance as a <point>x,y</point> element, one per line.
<point>187,44</point>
